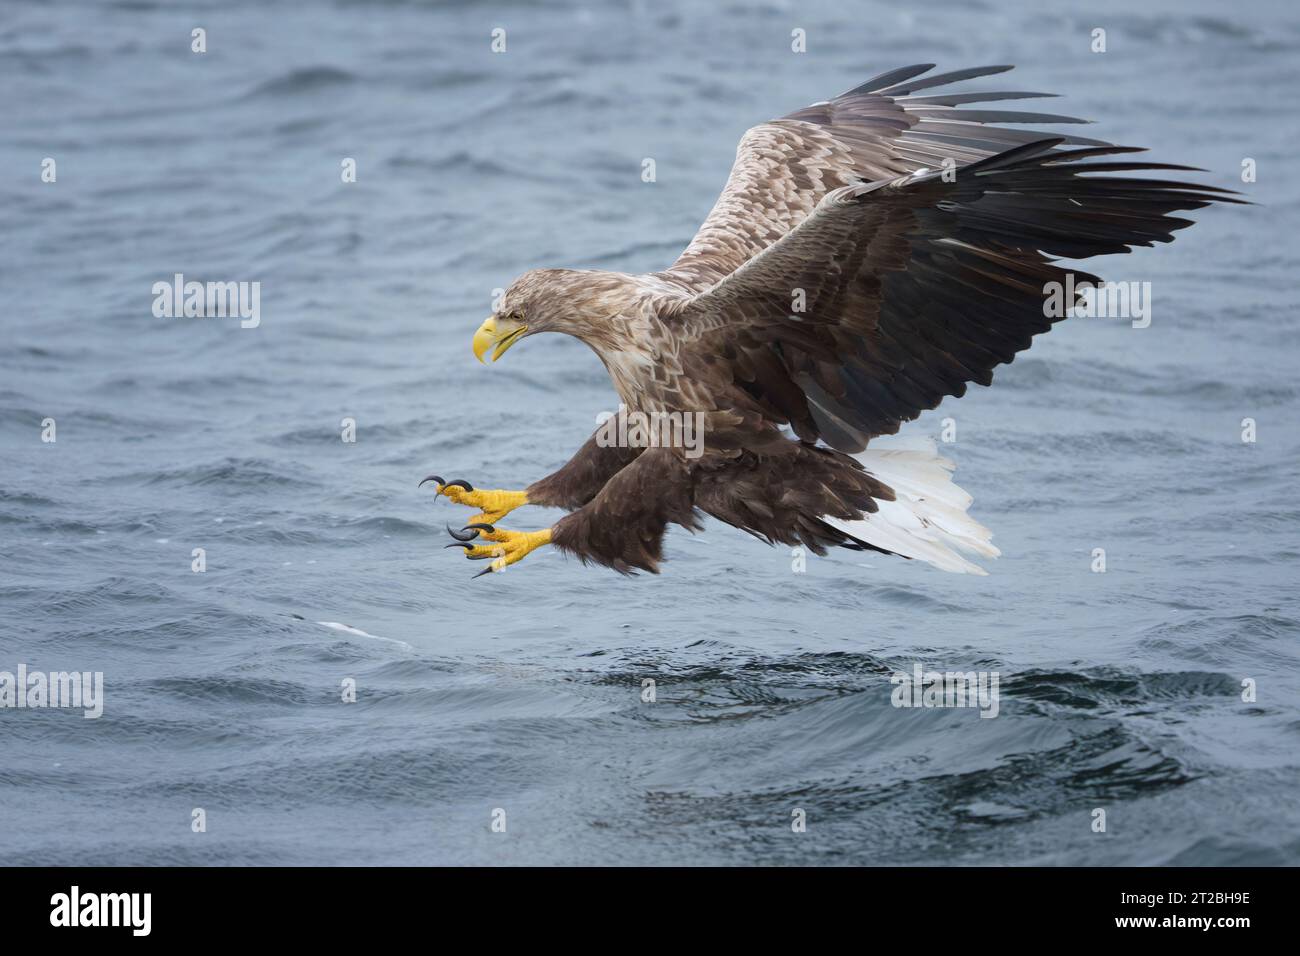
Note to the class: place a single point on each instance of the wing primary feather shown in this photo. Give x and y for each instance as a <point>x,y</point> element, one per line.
<point>902,74</point>
<point>956,99</point>
<point>994,116</point>
<point>940,79</point>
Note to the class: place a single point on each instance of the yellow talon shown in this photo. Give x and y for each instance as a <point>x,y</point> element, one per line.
<point>507,547</point>
<point>492,505</point>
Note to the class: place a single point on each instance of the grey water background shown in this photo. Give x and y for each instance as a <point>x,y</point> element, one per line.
<point>522,691</point>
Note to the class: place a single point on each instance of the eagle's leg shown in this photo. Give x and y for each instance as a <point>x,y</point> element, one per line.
<point>582,476</point>
<point>507,547</point>
<point>623,526</point>
<point>576,483</point>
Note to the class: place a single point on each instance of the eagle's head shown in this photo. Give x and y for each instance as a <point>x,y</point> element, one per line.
<point>577,302</point>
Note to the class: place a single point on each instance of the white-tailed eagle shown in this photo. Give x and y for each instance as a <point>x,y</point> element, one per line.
<point>869,256</point>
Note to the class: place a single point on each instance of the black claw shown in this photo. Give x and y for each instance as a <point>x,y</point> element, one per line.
<point>458,544</point>
<point>461,537</point>
<point>487,570</point>
<point>480,527</point>
<point>436,478</point>
<point>457,483</point>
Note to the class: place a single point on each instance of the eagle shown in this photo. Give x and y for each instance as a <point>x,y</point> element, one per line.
<point>870,255</point>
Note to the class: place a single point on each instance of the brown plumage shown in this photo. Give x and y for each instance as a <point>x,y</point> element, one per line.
<point>869,256</point>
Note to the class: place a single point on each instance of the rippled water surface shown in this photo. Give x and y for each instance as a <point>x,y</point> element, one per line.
<point>1120,691</point>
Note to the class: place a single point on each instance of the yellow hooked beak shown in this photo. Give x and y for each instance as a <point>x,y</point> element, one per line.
<point>488,335</point>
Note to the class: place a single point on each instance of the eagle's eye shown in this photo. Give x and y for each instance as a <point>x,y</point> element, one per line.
<point>516,315</point>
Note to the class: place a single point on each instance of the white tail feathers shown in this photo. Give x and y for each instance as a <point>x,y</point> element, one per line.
<point>928,519</point>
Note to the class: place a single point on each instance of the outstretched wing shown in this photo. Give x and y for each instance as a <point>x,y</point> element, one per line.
<point>880,130</point>
<point>914,287</point>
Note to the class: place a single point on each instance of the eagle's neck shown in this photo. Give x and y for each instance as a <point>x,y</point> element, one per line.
<point>626,346</point>
<point>617,316</point>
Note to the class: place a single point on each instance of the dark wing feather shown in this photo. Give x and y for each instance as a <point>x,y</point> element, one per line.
<point>875,131</point>
<point>915,287</point>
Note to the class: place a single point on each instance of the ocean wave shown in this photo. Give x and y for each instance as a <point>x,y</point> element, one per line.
<point>303,80</point>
